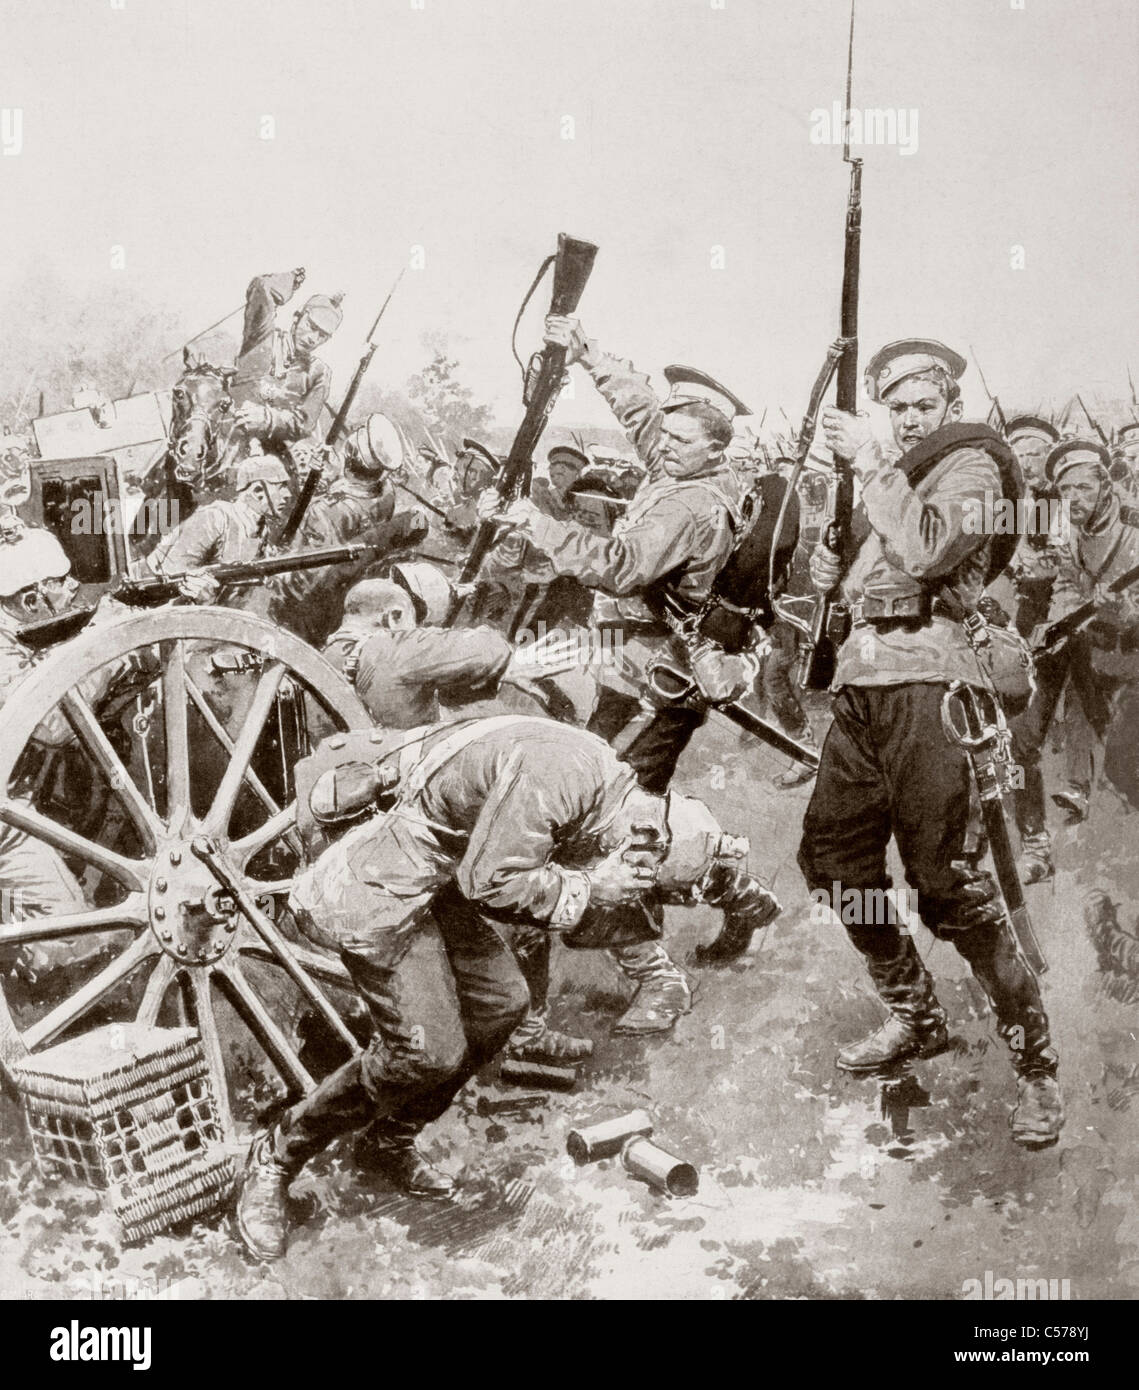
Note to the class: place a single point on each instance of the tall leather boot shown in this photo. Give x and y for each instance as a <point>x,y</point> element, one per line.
<point>916,1025</point>
<point>1014,994</point>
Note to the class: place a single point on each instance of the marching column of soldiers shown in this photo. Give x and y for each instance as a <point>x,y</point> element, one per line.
<point>517,799</point>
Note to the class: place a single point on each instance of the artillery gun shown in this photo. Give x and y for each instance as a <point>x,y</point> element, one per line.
<point>187,867</point>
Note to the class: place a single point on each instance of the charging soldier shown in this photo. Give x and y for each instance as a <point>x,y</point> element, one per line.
<point>1037,558</point>
<point>887,768</point>
<point>359,506</point>
<point>281,386</point>
<point>1096,663</point>
<point>671,543</point>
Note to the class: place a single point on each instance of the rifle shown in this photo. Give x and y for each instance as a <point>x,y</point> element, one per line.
<point>292,523</point>
<point>1002,421</point>
<point>153,590</point>
<point>572,265</point>
<point>823,629</point>
<point>1057,632</point>
<point>679,689</point>
<point>1095,424</point>
<point>337,427</point>
<point>973,720</point>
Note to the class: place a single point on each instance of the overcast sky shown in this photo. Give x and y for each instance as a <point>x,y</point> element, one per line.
<point>443,126</point>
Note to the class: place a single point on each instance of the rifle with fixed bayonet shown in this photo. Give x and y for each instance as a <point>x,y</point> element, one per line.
<point>572,265</point>
<point>1095,424</point>
<point>994,401</point>
<point>821,621</point>
<point>337,427</point>
<point>150,591</point>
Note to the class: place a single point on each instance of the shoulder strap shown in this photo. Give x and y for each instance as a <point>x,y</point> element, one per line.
<point>417,772</point>
<point>917,464</point>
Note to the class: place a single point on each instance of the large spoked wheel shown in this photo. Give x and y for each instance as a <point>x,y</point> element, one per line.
<point>199,780</point>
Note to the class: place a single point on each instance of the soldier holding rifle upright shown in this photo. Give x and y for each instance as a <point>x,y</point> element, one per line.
<point>887,769</point>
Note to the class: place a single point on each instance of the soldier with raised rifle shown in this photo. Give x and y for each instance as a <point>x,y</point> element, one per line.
<point>887,768</point>
<point>671,542</point>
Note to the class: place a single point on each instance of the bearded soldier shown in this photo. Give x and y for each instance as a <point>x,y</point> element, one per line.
<point>281,386</point>
<point>887,768</point>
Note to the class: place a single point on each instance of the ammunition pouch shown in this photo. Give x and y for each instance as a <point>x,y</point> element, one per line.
<point>341,780</point>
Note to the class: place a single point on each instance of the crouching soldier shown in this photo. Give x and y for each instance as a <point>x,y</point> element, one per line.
<point>887,768</point>
<point>506,818</point>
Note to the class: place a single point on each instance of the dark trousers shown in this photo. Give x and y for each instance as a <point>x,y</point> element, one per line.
<point>1030,728</point>
<point>656,750</point>
<point>775,684</point>
<point>441,1010</point>
<point>887,769</point>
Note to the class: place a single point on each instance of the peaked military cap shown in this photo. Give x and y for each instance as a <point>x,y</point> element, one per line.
<point>908,357</point>
<point>1074,453</point>
<point>472,446</point>
<point>1032,424</point>
<point>568,457</point>
<point>688,384</point>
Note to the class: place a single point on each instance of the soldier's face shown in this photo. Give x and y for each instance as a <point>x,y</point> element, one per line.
<point>1081,491</point>
<point>46,599</point>
<point>561,477</point>
<point>917,408</point>
<point>307,336</point>
<point>1031,450</point>
<point>685,448</point>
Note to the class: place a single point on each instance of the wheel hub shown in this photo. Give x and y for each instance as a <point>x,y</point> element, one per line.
<point>193,918</point>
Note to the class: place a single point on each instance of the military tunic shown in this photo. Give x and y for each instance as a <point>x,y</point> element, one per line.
<point>502,826</point>
<point>269,369</point>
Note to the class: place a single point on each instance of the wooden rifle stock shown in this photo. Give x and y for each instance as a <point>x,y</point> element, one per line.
<point>572,267</point>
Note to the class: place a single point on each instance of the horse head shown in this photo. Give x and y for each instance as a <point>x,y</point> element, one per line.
<point>200,420</point>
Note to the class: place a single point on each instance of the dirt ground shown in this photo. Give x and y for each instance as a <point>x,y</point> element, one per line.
<point>812,1184</point>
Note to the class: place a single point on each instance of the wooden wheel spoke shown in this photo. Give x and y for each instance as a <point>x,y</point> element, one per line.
<point>260,1023</point>
<point>244,745</point>
<point>161,978</point>
<point>255,784</point>
<point>21,816</point>
<point>205,1020</point>
<point>90,733</point>
<point>257,840</point>
<point>269,887</point>
<point>325,968</point>
<point>61,1017</point>
<point>130,913</point>
<point>176,725</point>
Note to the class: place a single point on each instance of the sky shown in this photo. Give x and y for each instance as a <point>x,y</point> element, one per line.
<point>442,124</point>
